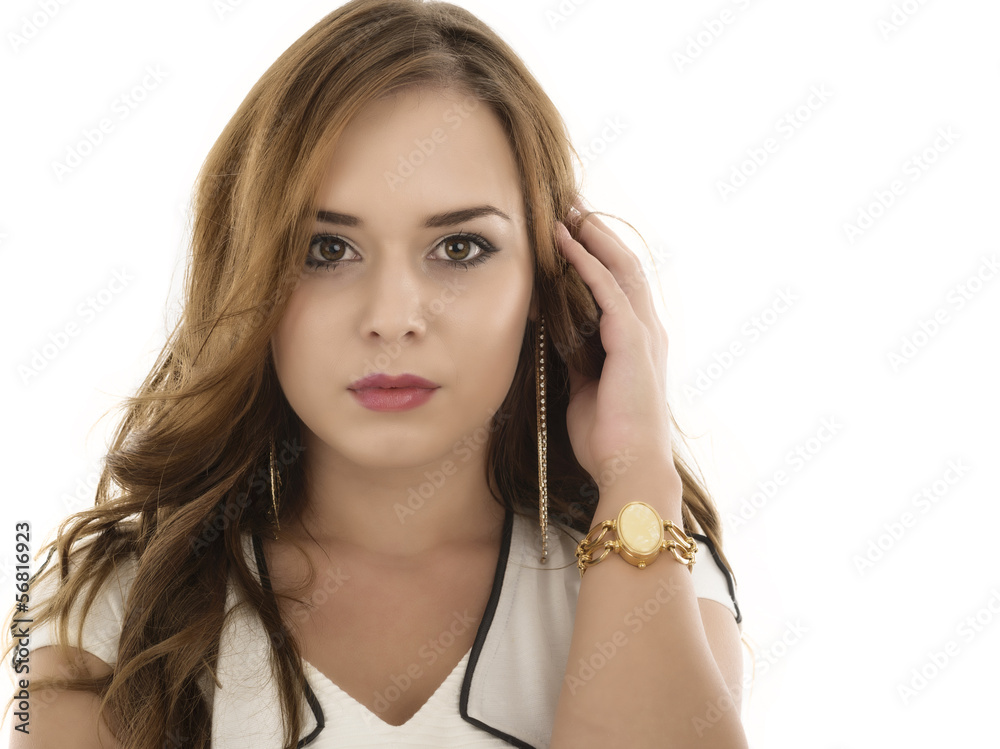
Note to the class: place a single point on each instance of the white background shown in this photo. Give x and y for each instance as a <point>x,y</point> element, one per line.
<point>839,610</point>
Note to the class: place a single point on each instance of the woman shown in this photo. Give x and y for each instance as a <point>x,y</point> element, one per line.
<point>354,490</point>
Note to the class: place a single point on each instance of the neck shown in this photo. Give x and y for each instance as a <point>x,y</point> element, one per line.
<point>398,516</point>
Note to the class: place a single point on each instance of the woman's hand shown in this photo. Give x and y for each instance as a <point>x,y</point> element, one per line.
<point>622,417</point>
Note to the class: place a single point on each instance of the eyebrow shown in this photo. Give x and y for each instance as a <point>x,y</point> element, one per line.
<point>449,218</point>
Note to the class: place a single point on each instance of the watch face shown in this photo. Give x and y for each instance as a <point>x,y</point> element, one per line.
<point>639,528</point>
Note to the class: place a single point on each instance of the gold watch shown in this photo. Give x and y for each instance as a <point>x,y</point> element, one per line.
<point>641,536</point>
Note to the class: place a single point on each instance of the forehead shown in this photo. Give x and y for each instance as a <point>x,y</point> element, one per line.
<point>421,149</point>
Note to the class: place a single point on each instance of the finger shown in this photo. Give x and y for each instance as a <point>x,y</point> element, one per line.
<point>614,304</point>
<point>606,246</point>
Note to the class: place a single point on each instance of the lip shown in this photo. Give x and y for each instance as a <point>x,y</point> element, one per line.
<point>381,380</point>
<point>382,392</point>
<point>392,399</point>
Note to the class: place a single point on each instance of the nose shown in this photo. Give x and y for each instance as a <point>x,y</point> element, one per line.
<point>393,299</point>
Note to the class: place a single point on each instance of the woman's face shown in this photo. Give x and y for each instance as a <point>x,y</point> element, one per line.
<point>392,285</point>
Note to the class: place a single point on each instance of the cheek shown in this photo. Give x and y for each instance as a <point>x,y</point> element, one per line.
<point>491,334</point>
<point>296,343</point>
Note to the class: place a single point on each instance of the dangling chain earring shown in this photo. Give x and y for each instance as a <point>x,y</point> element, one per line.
<point>543,439</point>
<point>275,488</point>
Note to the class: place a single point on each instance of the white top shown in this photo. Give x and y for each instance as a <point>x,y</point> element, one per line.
<point>436,724</point>
<point>503,692</point>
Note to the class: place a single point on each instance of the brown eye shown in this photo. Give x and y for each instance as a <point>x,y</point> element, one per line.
<point>329,248</point>
<point>462,245</point>
<point>326,251</point>
<point>459,245</point>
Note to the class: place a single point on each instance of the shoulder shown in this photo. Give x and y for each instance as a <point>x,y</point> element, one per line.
<point>70,715</point>
<point>64,717</point>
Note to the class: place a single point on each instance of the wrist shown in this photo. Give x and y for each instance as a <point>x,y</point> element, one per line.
<point>659,486</point>
<point>632,464</point>
<point>639,530</point>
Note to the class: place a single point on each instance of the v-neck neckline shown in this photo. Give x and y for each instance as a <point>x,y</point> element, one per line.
<point>503,560</point>
<point>331,686</point>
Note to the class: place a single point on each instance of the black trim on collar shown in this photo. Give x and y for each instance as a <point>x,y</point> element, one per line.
<point>265,580</point>
<point>484,628</point>
<point>477,645</point>
<point>729,578</point>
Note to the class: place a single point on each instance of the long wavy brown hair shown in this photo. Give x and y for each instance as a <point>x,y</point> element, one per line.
<point>187,472</point>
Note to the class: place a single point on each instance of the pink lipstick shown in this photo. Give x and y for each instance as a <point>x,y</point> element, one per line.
<point>382,392</point>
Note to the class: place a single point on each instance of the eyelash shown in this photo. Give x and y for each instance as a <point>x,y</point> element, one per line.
<point>486,249</point>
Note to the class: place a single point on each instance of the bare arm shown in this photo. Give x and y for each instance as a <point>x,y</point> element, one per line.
<point>63,719</point>
<point>650,665</point>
